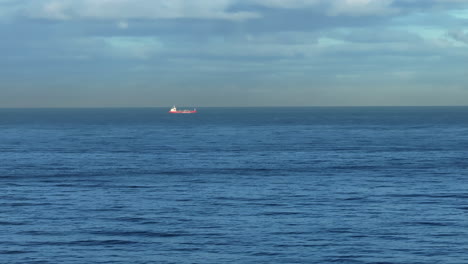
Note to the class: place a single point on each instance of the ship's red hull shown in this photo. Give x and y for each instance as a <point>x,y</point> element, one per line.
<point>183,112</point>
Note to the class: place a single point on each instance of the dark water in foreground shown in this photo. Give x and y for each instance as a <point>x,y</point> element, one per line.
<point>238,185</point>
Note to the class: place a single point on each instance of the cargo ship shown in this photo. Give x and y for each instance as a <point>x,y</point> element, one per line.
<point>174,110</point>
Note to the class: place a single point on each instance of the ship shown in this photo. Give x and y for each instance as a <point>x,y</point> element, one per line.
<point>174,110</point>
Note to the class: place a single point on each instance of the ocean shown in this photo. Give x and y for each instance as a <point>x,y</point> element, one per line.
<point>234,185</point>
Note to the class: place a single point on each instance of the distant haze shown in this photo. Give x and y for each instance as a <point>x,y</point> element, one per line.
<point>140,53</point>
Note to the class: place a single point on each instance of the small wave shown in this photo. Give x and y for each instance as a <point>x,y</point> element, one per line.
<point>265,254</point>
<point>24,204</point>
<point>14,252</point>
<point>43,233</point>
<point>103,242</point>
<point>6,223</point>
<point>344,259</point>
<point>139,233</point>
<point>280,213</point>
<point>424,223</point>
<point>437,196</point>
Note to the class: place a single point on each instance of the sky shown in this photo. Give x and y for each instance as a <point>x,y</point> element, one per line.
<point>201,53</point>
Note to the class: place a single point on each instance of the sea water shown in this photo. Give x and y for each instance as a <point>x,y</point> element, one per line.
<point>234,185</point>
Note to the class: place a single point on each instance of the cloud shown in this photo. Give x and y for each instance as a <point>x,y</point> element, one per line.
<point>122,24</point>
<point>136,9</point>
<point>9,8</point>
<point>230,10</point>
<point>335,7</point>
<point>306,46</point>
<point>362,7</point>
<point>459,35</point>
<point>375,35</point>
<point>139,48</point>
<point>288,4</point>
<point>55,10</point>
<point>124,48</point>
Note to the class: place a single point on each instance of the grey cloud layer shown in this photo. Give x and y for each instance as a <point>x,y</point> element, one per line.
<point>316,52</point>
<point>209,9</point>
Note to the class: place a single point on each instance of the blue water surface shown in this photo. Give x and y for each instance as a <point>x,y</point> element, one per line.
<point>234,185</point>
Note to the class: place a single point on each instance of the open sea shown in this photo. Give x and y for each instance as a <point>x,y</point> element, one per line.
<point>234,185</point>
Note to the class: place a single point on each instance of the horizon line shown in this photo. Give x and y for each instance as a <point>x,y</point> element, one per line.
<point>268,106</point>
